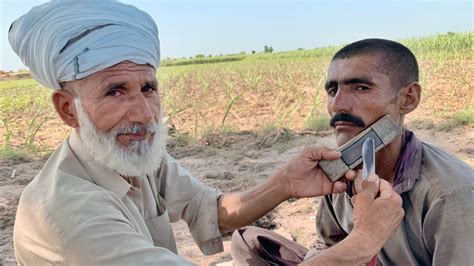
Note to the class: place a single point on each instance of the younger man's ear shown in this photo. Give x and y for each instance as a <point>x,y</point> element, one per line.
<point>410,97</point>
<point>63,102</point>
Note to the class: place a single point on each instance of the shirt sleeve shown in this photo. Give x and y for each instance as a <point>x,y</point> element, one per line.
<point>448,229</point>
<point>189,199</point>
<point>327,227</point>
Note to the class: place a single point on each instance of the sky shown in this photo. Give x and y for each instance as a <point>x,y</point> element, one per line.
<point>188,28</point>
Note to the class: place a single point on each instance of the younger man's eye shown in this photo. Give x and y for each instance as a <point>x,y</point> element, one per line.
<point>332,91</point>
<point>362,88</point>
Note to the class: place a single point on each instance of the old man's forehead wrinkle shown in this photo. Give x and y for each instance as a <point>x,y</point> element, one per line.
<point>105,86</point>
<point>122,74</point>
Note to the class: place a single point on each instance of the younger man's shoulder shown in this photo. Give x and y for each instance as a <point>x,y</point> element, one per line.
<point>444,171</point>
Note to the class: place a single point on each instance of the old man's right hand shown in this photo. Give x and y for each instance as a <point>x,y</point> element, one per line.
<point>377,214</point>
<point>302,176</point>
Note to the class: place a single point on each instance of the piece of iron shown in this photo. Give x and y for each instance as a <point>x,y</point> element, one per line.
<point>383,131</point>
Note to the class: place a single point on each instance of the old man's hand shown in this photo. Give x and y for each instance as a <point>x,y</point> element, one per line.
<point>303,177</point>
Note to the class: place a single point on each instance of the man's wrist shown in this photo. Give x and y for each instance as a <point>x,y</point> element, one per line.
<point>350,251</point>
<point>278,179</point>
<point>362,243</point>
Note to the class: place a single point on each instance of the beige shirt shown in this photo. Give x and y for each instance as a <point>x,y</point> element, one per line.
<point>438,227</point>
<point>78,212</point>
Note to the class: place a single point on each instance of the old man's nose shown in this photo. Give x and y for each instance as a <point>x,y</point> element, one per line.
<point>140,110</point>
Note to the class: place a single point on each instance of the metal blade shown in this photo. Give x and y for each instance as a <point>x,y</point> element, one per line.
<point>368,158</point>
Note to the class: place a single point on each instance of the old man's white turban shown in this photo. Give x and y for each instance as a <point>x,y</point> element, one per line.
<point>66,40</point>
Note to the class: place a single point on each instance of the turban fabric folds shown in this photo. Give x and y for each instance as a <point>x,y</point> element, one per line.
<point>65,40</point>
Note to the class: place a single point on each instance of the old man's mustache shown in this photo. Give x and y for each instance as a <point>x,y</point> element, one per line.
<point>346,117</point>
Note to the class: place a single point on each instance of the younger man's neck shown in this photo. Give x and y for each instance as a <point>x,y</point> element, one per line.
<point>386,160</point>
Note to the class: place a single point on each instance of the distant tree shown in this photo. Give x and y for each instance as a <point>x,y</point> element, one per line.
<point>300,49</point>
<point>210,55</point>
<point>267,49</point>
<point>253,51</point>
<point>242,53</point>
<point>200,56</point>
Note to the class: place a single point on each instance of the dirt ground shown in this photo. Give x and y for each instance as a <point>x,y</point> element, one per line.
<point>230,162</point>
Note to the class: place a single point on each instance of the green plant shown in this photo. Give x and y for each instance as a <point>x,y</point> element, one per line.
<point>180,139</point>
<point>311,118</point>
<point>33,129</point>
<point>465,116</point>
<point>7,134</point>
<point>318,122</point>
<point>9,153</point>
<point>231,99</point>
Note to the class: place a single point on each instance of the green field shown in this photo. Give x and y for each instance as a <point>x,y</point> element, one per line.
<point>252,92</point>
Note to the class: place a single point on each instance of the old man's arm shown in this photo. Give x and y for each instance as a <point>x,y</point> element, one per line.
<point>301,177</point>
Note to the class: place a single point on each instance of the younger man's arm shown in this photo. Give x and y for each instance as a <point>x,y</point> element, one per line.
<point>375,221</point>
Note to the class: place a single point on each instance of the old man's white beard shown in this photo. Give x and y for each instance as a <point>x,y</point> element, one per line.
<point>139,158</point>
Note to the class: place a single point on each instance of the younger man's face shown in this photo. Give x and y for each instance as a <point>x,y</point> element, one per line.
<point>359,93</point>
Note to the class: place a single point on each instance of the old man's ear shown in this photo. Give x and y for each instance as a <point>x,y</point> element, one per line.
<point>63,102</point>
<point>410,97</point>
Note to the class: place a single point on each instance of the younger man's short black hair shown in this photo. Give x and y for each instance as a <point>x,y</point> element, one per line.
<point>397,61</point>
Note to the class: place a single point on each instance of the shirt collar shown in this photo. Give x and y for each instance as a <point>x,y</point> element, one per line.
<point>408,167</point>
<point>99,174</point>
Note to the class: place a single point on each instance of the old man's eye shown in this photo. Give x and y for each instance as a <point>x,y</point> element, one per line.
<point>148,88</point>
<point>115,91</point>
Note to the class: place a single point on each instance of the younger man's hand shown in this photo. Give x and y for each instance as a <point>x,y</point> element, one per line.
<point>377,213</point>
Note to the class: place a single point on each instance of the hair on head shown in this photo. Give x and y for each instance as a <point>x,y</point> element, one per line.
<point>397,60</point>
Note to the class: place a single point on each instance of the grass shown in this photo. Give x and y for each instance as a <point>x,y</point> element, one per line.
<point>465,116</point>
<point>25,108</point>
<point>444,46</point>
<point>9,153</point>
<point>204,60</point>
<point>253,92</point>
<point>319,122</point>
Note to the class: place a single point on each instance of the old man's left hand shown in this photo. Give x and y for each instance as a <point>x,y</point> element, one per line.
<point>303,177</point>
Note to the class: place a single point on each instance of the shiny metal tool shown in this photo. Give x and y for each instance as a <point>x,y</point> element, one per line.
<point>368,158</point>
<point>383,131</point>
